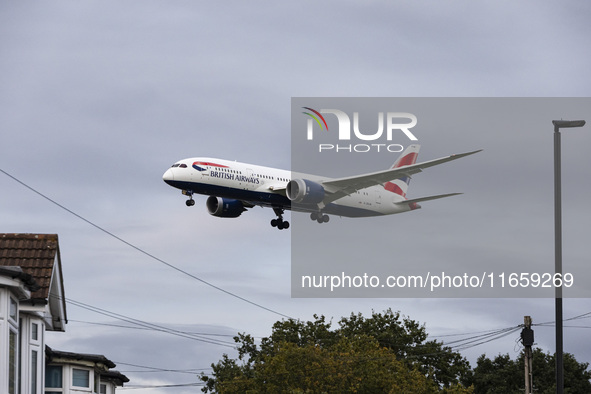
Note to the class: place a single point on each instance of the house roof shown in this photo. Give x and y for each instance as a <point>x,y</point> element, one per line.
<point>114,376</point>
<point>17,273</point>
<point>35,254</point>
<point>93,358</point>
<point>101,363</point>
<point>38,255</point>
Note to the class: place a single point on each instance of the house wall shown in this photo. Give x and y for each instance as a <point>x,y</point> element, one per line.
<point>107,388</point>
<point>22,334</point>
<point>69,382</point>
<point>32,338</point>
<point>9,326</point>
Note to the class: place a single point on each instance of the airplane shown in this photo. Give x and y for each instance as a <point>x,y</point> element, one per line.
<point>233,187</point>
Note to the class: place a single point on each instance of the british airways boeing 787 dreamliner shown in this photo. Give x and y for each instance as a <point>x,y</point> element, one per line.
<point>233,187</point>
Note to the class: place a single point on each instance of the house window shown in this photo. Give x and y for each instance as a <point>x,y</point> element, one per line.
<point>34,371</point>
<point>103,389</point>
<point>53,377</point>
<point>35,331</point>
<point>80,378</point>
<point>12,361</point>
<point>13,312</point>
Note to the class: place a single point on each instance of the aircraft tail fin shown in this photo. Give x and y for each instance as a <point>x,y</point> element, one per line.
<point>400,185</point>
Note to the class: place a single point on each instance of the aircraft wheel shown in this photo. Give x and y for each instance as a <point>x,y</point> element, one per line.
<point>190,203</point>
<point>314,216</point>
<point>319,220</point>
<point>325,218</point>
<point>274,223</point>
<point>286,224</point>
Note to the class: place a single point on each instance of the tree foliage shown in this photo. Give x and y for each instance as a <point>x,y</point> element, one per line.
<point>503,375</point>
<point>384,353</point>
<point>408,340</point>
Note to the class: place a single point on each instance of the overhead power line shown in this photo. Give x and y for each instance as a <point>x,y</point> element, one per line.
<point>160,387</point>
<point>151,326</point>
<point>140,249</point>
<point>578,317</point>
<point>144,328</point>
<point>466,343</point>
<point>156,369</point>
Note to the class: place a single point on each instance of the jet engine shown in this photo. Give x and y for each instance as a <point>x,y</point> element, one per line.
<point>224,207</point>
<point>304,191</point>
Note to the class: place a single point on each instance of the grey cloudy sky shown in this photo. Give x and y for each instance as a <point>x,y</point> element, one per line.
<point>98,98</point>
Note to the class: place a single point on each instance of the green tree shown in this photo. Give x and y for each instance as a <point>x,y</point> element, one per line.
<point>350,365</point>
<point>384,353</point>
<point>503,375</point>
<point>500,375</point>
<point>408,340</point>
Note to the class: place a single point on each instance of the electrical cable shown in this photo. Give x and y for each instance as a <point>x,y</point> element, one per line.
<point>148,329</point>
<point>155,369</point>
<point>147,325</point>
<point>160,386</point>
<point>140,249</point>
<point>552,323</point>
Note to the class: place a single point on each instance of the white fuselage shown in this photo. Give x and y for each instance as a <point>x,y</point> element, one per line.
<point>266,186</point>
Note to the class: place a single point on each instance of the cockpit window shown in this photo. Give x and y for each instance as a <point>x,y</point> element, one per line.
<point>183,166</point>
<point>175,165</point>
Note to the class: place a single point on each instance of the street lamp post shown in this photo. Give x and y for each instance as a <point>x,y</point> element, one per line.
<point>558,124</point>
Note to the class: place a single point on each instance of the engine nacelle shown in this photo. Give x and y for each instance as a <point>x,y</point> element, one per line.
<point>304,191</point>
<point>224,207</point>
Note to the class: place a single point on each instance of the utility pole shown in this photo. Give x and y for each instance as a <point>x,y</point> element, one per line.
<point>527,338</point>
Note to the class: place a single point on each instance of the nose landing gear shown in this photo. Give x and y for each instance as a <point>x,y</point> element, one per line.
<point>190,202</point>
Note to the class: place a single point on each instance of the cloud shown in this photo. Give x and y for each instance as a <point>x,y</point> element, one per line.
<point>99,98</point>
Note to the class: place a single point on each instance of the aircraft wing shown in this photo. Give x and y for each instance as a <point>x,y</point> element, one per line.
<point>341,187</point>
<point>279,189</point>
<point>428,198</point>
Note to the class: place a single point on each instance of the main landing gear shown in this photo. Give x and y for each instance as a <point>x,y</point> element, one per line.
<point>319,217</point>
<point>279,222</point>
<point>190,202</point>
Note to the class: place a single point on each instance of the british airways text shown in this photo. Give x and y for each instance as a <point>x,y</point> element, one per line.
<point>234,177</point>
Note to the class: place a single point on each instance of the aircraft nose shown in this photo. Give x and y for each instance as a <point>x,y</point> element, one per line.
<point>168,176</point>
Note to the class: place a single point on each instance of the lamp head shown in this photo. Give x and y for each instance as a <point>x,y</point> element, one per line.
<point>568,123</point>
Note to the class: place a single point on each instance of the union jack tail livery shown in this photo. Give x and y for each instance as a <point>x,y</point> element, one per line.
<point>408,157</point>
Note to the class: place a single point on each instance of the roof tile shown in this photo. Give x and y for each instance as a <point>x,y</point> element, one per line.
<point>34,253</point>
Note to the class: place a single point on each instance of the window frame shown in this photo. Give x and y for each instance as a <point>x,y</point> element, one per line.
<point>89,378</point>
<point>35,371</point>
<point>13,360</point>
<point>35,332</point>
<point>53,390</point>
<point>13,302</point>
